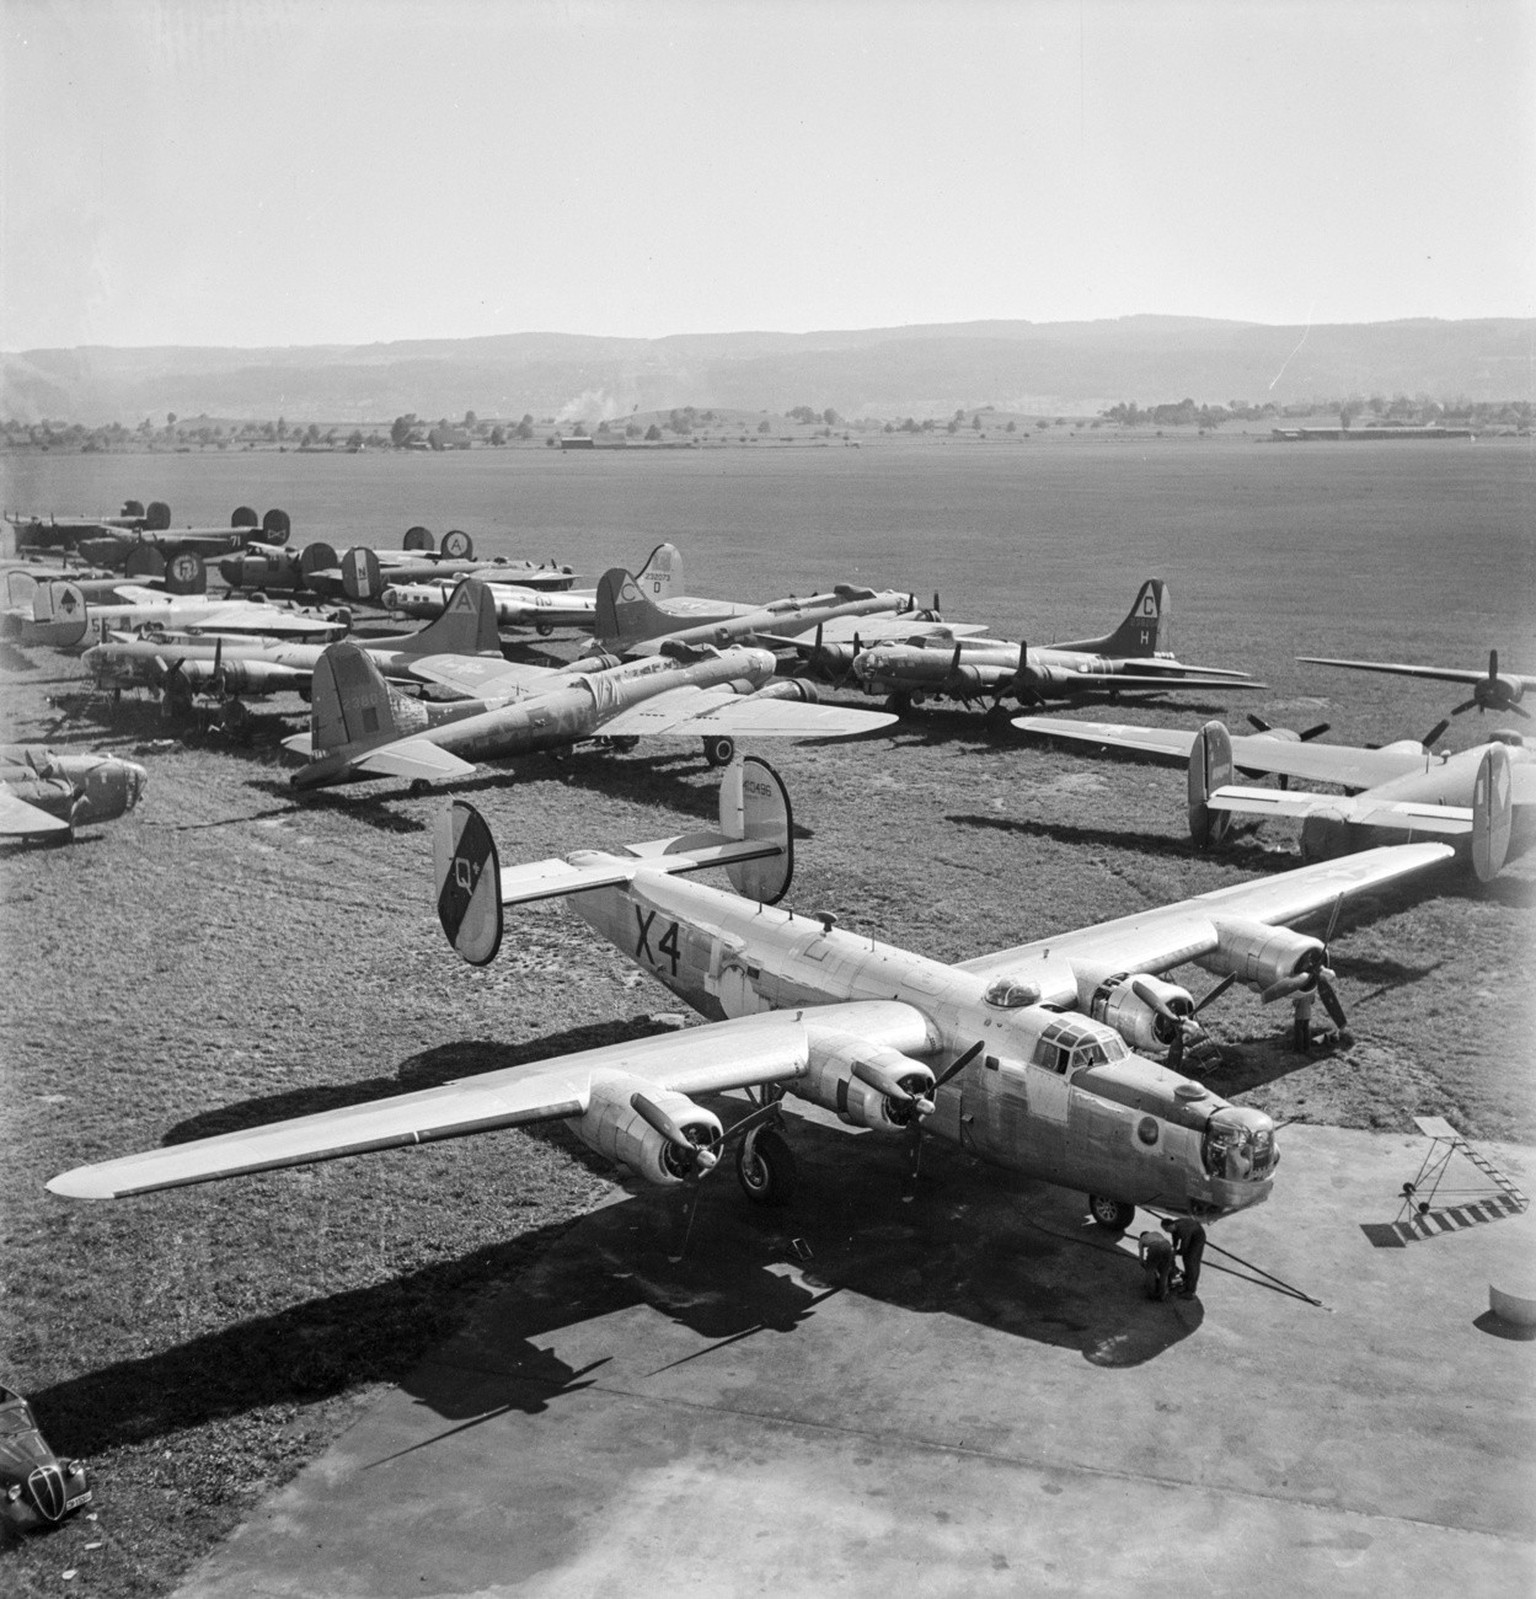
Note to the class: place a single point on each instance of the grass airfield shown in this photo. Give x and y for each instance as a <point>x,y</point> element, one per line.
<point>225,956</point>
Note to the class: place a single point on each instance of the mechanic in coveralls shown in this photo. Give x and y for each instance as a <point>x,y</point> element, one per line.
<point>1155,1251</point>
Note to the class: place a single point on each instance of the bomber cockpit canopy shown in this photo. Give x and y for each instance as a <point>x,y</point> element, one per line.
<point>1010,993</point>
<point>1067,1047</point>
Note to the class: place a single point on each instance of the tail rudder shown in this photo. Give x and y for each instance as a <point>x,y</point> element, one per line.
<point>360,575</point>
<point>754,843</point>
<point>662,575</point>
<point>1210,768</point>
<point>350,703</point>
<point>624,615</point>
<point>467,625</point>
<point>1144,630</point>
<point>60,616</point>
<point>1492,813</point>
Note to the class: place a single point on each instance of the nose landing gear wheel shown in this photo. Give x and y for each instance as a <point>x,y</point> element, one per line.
<point>1113,1214</point>
<point>765,1167</point>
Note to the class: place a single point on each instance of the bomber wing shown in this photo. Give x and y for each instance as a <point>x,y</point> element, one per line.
<point>1315,763</point>
<point>1157,940</point>
<point>21,820</point>
<point>1161,683</point>
<point>701,711</point>
<point>1443,674</point>
<point>481,677</point>
<point>765,1048</point>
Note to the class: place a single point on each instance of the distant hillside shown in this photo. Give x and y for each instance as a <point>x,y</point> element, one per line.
<point>884,372</point>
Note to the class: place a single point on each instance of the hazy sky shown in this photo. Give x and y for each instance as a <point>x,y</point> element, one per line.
<point>339,171</point>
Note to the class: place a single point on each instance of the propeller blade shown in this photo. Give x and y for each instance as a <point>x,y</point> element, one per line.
<point>1258,723</point>
<point>1216,992</point>
<point>703,1157</point>
<point>1153,1000</point>
<point>1333,921</point>
<point>958,1066</point>
<point>1519,711</point>
<point>1432,737</point>
<point>1329,996</point>
<point>1466,705</point>
<point>1296,983</point>
<point>741,1128</point>
<point>1493,666</point>
<point>1315,732</point>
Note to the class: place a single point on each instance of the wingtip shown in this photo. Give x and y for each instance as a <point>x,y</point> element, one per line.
<point>84,1182</point>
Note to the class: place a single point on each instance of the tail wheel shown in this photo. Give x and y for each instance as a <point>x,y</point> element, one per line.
<point>766,1167</point>
<point>719,750</point>
<point>1112,1214</point>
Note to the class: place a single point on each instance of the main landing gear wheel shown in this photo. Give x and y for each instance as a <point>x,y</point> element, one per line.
<point>719,750</point>
<point>1113,1214</point>
<point>766,1167</point>
<point>544,629</point>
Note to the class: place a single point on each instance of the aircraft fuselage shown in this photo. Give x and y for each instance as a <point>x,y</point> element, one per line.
<point>1051,1095</point>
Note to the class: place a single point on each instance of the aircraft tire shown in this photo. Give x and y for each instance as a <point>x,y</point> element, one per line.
<point>544,629</point>
<point>623,743</point>
<point>899,704</point>
<point>1114,1215</point>
<point>719,750</point>
<point>766,1167</point>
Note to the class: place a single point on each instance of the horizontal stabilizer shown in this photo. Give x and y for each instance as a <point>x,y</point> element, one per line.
<point>1410,815</point>
<point>413,758</point>
<point>20,820</point>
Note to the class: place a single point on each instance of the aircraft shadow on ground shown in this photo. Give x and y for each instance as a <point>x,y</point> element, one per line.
<point>966,1242</point>
<point>1251,857</point>
<point>368,809</point>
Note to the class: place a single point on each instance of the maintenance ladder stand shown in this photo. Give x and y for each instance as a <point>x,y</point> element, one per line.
<point>1419,1195</point>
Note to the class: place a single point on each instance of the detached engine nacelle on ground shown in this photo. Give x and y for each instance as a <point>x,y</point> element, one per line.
<point>1260,955</point>
<point>625,1118</point>
<point>868,1085</point>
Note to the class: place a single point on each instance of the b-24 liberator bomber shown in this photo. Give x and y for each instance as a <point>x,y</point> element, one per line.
<point>1132,659</point>
<point>361,729</point>
<point>1482,799</point>
<point>1027,1058</point>
<point>63,618</point>
<point>47,795</point>
<point>185,664</point>
<point>1492,690</point>
<point>520,605</point>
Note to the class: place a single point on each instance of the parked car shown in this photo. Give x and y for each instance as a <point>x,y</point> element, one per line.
<point>36,1488</point>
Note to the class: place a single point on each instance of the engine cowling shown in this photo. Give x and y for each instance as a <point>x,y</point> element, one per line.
<point>1261,955</point>
<point>615,1128</point>
<point>1117,1003</point>
<point>790,688</point>
<point>832,1080</point>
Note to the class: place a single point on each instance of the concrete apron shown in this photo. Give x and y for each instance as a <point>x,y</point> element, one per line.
<point>961,1393</point>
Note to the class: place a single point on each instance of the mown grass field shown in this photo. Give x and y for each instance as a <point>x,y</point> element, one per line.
<point>226,956</point>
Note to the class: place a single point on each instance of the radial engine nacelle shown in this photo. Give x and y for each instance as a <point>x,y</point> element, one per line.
<point>615,1125</point>
<point>790,688</point>
<point>1144,1010</point>
<point>1260,955</point>
<point>868,1085</point>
